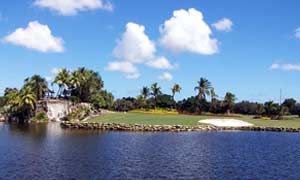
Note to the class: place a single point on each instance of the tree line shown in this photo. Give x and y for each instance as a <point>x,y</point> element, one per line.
<point>84,85</point>
<point>151,98</point>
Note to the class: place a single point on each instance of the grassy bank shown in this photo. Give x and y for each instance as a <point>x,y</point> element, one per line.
<point>289,121</point>
<point>156,119</point>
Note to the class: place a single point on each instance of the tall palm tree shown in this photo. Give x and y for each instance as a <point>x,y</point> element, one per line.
<point>21,102</point>
<point>93,82</point>
<point>28,98</point>
<point>272,108</point>
<point>38,85</point>
<point>229,101</point>
<point>175,89</point>
<point>62,79</point>
<point>203,88</point>
<point>213,94</point>
<point>155,92</point>
<point>145,92</point>
<point>84,83</point>
<point>75,79</point>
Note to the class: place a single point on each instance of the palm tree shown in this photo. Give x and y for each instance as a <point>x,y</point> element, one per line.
<point>94,82</point>
<point>38,85</point>
<point>229,101</point>
<point>203,88</point>
<point>84,83</point>
<point>28,98</point>
<point>175,89</point>
<point>271,108</point>
<point>12,98</point>
<point>145,92</point>
<point>13,101</point>
<point>155,92</point>
<point>213,94</point>
<point>21,102</point>
<point>75,79</point>
<point>62,80</point>
<point>214,102</point>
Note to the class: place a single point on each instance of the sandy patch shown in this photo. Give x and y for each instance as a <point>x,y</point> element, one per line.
<point>226,122</point>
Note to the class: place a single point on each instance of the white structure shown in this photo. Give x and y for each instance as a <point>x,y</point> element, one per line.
<point>57,109</point>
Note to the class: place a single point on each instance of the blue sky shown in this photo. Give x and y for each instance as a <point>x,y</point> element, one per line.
<point>254,53</point>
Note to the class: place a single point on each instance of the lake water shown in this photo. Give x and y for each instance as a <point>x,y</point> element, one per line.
<point>48,152</point>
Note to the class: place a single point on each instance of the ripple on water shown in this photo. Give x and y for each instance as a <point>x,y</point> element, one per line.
<point>47,152</point>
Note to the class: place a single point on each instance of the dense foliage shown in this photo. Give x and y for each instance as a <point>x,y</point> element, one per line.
<point>81,85</point>
<point>84,85</point>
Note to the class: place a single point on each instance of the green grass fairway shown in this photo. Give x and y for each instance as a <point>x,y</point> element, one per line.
<point>154,119</point>
<point>289,121</point>
<point>148,119</point>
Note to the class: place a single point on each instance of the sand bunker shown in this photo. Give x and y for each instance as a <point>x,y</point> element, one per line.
<point>226,122</point>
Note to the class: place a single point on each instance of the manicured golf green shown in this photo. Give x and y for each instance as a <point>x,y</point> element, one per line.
<point>154,119</point>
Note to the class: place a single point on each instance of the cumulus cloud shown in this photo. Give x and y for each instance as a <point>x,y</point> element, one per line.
<point>36,36</point>
<point>130,71</point>
<point>297,33</point>
<point>166,76</point>
<point>286,67</point>
<point>72,7</point>
<point>224,24</point>
<point>160,63</point>
<point>187,31</point>
<point>55,70</point>
<point>135,46</point>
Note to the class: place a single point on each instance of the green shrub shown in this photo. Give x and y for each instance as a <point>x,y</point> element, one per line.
<point>78,115</point>
<point>74,99</point>
<point>41,116</point>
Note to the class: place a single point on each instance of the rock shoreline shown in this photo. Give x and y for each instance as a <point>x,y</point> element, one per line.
<point>166,128</point>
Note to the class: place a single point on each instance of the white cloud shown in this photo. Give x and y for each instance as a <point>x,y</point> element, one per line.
<point>134,46</point>
<point>35,36</point>
<point>297,33</point>
<point>187,31</point>
<point>72,7</point>
<point>160,63</point>
<point>224,24</point>
<point>286,67</point>
<point>130,71</point>
<point>55,70</point>
<point>166,76</point>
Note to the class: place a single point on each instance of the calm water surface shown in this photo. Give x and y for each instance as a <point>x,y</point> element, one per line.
<point>47,152</point>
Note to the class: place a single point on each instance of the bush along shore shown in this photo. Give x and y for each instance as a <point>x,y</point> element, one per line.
<point>166,128</point>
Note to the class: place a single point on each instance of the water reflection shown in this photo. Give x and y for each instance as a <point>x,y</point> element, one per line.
<point>45,151</point>
<point>33,130</point>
